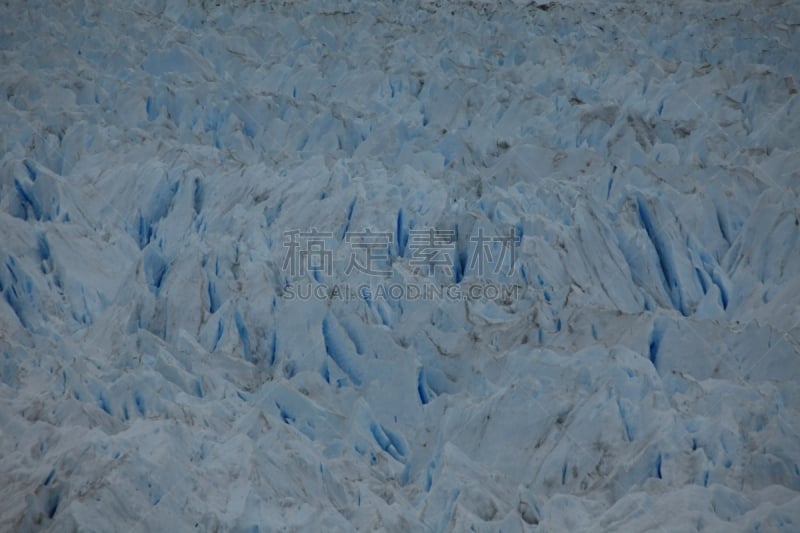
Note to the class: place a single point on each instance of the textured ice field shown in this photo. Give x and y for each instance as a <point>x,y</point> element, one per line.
<point>156,373</point>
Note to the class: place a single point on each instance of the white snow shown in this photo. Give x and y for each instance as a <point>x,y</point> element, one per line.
<point>159,373</point>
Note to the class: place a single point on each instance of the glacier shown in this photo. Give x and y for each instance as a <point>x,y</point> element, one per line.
<point>158,370</point>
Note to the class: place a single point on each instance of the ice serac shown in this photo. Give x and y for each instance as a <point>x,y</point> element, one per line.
<point>167,362</point>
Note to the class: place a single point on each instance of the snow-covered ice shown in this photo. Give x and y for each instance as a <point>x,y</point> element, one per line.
<point>159,373</point>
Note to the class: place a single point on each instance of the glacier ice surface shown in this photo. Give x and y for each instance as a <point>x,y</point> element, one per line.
<point>155,373</point>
